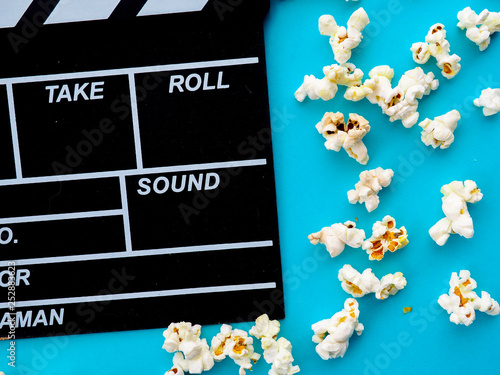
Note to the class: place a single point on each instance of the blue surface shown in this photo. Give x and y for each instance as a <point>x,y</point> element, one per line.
<point>312,183</point>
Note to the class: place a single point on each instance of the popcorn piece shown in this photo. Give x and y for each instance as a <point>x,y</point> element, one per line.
<point>399,103</point>
<point>457,219</point>
<point>265,328</point>
<point>437,46</point>
<point>402,104</point>
<point>276,352</point>
<point>489,23</point>
<point>461,300</point>
<point>194,357</point>
<point>390,284</point>
<point>358,284</point>
<point>488,304</point>
<point>490,100</point>
<point>385,237</point>
<point>237,345</point>
<point>325,88</point>
<point>406,310</point>
<point>281,359</point>
<point>439,132</point>
<point>316,88</point>
<point>376,89</point>
<point>332,335</point>
<point>343,40</point>
<point>349,136</point>
<point>344,74</point>
<point>337,236</point>
<point>370,183</point>
<point>421,52</point>
<point>176,370</point>
<point>192,353</point>
<point>178,332</point>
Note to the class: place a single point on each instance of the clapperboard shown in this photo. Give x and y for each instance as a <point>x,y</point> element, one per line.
<point>136,171</point>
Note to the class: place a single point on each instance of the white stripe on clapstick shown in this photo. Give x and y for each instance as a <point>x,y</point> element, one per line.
<point>81,10</point>
<point>16,9</point>
<point>153,7</point>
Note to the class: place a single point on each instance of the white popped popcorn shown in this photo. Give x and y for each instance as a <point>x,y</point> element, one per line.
<point>490,100</point>
<point>316,88</point>
<point>194,357</point>
<point>265,328</point>
<point>332,335</point>
<point>359,284</point>
<point>370,183</point>
<point>348,136</point>
<point>385,237</point>
<point>276,352</point>
<point>399,103</point>
<point>488,305</point>
<point>461,300</point>
<point>178,332</point>
<point>237,345</point>
<point>176,370</point>
<point>457,219</point>
<point>325,88</point>
<point>390,284</point>
<point>279,354</point>
<point>489,23</point>
<point>437,46</point>
<point>192,354</point>
<point>343,40</point>
<point>403,104</point>
<point>337,236</point>
<point>439,132</point>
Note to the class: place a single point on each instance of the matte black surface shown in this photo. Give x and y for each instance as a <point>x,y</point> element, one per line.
<point>211,119</point>
<point>106,316</point>
<point>232,212</point>
<point>60,197</point>
<point>80,157</point>
<point>64,237</point>
<point>151,273</point>
<point>73,136</point>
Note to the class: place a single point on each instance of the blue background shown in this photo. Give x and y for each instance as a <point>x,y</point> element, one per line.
<point>312,185</point>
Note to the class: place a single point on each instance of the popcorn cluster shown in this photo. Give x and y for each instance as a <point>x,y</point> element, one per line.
<point>489,100</point>
<point>348,136</point>
<point>191,353</point>
<point>399,103</point>
<point>370,183</point>
<point>235,344</point>
<point>385,237</point>
<point>325,88</point>
<point>436,45</point>
<point>359,284</point>
<point>332,335</point>
<point>457,219</point>
<point>343,40</point>
<point>439,132</point>
<point>337,236</point>
<point>461,300</point>
<point>276,352</point>
<point>489,23</point>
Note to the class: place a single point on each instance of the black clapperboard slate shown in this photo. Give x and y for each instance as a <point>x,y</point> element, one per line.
<point>136,172</point>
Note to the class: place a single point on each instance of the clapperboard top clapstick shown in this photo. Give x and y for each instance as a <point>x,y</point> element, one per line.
<point>136,171</point>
